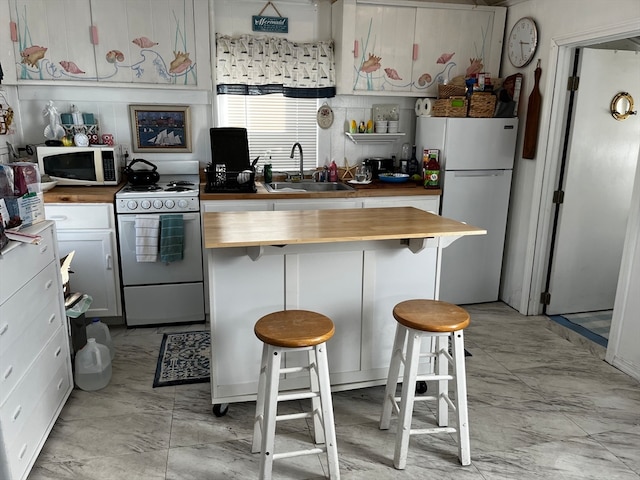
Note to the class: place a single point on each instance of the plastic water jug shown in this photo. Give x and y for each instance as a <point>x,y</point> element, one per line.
<point>98,330</point>
<point>93,366</point>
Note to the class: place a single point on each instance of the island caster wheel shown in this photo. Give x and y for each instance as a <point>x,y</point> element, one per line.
<point>220,409</point>
<point>421,387</point>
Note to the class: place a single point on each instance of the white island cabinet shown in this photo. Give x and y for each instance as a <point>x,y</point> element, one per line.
<point>35,362</point>
<point>350,264</point>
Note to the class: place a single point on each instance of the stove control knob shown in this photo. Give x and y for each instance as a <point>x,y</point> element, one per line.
<point>182,203</point>
<point>169,203</point>
<point>157,204</point>
<point>146,204</point>
<point>132,204</point>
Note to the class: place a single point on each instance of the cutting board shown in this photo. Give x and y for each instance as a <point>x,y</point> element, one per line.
<point>533,118</point>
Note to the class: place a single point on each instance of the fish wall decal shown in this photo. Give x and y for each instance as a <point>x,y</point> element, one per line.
<point>32,54</point>
<point>371,64</point>
<point>70,67</point>
<point>392,74</point>
<point>445,57</point>
<point>144,42</point>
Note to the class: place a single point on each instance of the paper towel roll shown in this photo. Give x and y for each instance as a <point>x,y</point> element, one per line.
<point>427,105</point>
<point>419,106</point>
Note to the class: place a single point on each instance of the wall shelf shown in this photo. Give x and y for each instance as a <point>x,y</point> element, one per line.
<point>374,137</point>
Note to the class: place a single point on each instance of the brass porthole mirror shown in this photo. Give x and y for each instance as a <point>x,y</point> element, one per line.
<point>622,106</point>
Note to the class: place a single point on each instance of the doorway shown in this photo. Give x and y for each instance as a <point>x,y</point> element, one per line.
<point>594,187</point>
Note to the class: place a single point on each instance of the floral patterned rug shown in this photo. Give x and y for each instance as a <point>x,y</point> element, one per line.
<point>184,358</point>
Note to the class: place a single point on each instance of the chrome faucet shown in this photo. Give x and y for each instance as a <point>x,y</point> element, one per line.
<point>297,144</point>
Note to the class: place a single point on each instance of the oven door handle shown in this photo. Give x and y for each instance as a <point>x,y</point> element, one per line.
<point>131,217</point>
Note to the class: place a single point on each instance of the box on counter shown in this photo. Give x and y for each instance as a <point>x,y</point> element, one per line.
<point>21,200</point>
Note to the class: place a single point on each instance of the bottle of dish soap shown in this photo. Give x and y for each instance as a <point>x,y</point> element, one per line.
<point>333,171</point>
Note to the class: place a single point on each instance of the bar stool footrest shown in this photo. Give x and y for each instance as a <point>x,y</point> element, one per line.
<point>427,431</point>
<point>299,453</point>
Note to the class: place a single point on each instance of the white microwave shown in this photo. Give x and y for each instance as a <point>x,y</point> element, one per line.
<point>79,165</point>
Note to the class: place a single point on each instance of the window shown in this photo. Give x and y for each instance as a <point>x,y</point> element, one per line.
<point>274,123</point>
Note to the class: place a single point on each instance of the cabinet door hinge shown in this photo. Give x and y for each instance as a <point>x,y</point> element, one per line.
<point>572,83</point>
<point>558,196</point>
<point>545,298</point>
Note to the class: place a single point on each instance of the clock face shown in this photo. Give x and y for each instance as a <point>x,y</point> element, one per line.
<point>522,42</point>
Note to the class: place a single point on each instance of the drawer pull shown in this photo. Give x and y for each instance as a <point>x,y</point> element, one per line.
<point>44,248</point>
<point>58,350</point>
<point>59,218</point>
<point>7,373</point>
<point>23,450</point>
<point>16,414</point>
<point>4,328</point>
<point>47,285</point>
<point>60,383</point>
<point>52,318</point>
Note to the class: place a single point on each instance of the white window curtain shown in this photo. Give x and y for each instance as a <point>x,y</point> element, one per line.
<point>251,65</point>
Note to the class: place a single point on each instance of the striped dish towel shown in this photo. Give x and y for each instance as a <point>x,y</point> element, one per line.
<point>147,234</point>
<point>171,238</point>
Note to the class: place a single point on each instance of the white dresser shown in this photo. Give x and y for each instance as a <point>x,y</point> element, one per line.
<point>35,363</point>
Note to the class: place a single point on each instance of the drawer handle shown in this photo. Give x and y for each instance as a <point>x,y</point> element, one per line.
<point>7,373</point>
<point>44,248</point>
<point>16,414</point>
<point>57,354</point>
<point>60,383</point>
<point>52,318</point>
<point>4,328</point>
<point>58,218</point>
<point>47,285</point>
<point>23,450</point>
<point>109,260</point>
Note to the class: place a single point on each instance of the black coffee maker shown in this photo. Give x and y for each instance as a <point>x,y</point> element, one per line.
<point>379,165</point>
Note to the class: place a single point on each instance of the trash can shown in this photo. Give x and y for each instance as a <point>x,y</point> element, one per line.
<point>76,306</point>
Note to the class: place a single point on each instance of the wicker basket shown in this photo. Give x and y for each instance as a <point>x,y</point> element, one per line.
<point>483,105</point>
<point>449,90</point>
<point>450,107</point>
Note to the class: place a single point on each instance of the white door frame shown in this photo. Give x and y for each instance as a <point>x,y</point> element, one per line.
<point>547,169</point>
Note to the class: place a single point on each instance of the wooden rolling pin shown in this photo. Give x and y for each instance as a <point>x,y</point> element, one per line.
<point>533,117</point>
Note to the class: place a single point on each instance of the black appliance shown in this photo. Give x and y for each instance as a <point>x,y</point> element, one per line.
<point>379,165</point>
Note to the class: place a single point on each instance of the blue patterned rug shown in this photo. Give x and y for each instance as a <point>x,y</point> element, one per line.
<point>184,358</point>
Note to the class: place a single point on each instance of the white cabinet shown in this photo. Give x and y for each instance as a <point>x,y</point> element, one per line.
<point>126,41</point>
<point>89,230</point>
<point>35,363</point>
<point>406,48</point>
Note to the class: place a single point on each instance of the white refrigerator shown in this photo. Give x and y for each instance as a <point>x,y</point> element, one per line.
<point>476,162</point>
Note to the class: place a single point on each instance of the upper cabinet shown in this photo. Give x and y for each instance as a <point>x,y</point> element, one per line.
<point>408,48</point>
<point>123,41</point>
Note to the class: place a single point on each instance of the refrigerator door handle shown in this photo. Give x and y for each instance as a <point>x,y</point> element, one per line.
<point>477,173</point>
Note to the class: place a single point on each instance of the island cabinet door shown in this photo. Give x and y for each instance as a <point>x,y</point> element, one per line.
<point>391,275</point>
<point>330,282</point>
<point>241,291</point>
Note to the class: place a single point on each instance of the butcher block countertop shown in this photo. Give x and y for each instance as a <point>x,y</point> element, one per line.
<point>75,194</point>
<point>262,228</point>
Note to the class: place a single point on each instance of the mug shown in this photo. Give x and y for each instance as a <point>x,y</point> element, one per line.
<point>107,139</point>
<point>93,138</point>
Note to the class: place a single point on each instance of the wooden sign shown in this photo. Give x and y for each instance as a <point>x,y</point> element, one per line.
<point>260,23</point>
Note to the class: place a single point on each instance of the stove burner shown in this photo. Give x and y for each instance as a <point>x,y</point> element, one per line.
<point>171,188</point>
<point>141,188</point>
<point>181,183</point>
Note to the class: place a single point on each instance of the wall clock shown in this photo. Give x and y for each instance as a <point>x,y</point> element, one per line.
<point>325,116</point>
<point>522,42</point>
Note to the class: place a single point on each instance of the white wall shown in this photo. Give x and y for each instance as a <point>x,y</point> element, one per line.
<point>555,18</point>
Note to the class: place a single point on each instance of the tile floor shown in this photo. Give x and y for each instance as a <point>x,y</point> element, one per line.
<point>540,407</point>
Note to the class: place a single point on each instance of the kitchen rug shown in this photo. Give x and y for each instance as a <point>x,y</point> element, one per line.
<point>184,358</point>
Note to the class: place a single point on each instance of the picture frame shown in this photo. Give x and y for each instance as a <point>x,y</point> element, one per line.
<point>160,128</point>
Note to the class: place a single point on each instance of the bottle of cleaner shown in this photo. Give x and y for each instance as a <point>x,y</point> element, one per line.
<point>98,330</point>
<point>333,171</point>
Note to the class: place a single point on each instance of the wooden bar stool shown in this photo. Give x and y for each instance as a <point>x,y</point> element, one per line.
<point>291,331</point>
<point>440,322</point>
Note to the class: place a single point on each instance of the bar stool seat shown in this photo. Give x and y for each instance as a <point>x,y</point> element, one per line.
<point>442,323</point>
<point>290,331</point>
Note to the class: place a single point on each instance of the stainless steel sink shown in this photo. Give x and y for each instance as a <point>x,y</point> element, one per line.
<point>301,187</point>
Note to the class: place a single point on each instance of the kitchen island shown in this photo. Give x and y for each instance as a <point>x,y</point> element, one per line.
<point>352,265</point>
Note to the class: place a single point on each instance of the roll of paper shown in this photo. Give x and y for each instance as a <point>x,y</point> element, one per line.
<point>419,106</point>
<point>427,105</point>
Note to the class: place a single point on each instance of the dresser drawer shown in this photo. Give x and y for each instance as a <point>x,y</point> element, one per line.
<point>27,322</point>
<point>24,263</point>
<point>26,399</point>
<point>81,216</point>
<point>22,449</point>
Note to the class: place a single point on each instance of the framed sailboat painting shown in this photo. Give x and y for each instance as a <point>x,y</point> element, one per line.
<point>160,128</point>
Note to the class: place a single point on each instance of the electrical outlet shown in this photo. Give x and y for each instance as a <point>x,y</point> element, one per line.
<point>124,154</point>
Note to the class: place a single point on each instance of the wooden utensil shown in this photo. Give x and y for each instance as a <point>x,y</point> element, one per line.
<point>533,117</point>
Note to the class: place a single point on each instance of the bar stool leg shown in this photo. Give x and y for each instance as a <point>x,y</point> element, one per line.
<point>327,411</point>
<point>393,375</point>
<point>442,368</point>
<point>270,411</point>
<point>414,340</point>
<point>259,418</point>
<point>464,447</point>
<point>318,424</point>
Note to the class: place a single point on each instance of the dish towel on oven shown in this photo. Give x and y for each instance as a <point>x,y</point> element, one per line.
<point>171,238</point>
<point>147,234</point>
